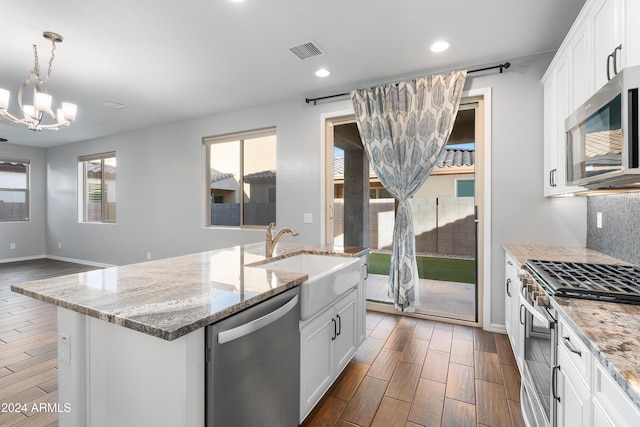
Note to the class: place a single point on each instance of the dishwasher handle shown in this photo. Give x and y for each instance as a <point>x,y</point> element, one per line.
<point>259,323</point>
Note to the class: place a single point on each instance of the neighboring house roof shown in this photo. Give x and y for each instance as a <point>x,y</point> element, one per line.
<point>258,177</point>
<point>452,157</point>
<point>219,176</point>
<point>455,157</point>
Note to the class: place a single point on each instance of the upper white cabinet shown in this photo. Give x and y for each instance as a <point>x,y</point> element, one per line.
<point>604,39</point>
<point>606,19</point>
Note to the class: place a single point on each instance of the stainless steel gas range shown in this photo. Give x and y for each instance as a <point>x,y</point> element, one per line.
<point>543,280</point>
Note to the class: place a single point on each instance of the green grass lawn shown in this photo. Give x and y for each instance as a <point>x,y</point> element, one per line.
<point>447,269</point>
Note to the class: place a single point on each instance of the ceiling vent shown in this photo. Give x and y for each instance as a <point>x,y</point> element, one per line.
<point>109,103</point>
<point>307,50</point>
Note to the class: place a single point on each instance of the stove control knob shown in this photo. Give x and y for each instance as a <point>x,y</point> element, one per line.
<point>543,301</point>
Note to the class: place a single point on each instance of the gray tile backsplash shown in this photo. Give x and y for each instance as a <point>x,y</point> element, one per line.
<point>619,236</point>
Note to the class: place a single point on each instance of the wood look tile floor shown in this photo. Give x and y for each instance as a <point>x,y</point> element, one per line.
<point>413,372</point>
<point>28,346</point>
<point>409,372</point>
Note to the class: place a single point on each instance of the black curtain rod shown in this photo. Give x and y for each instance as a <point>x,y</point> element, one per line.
<point>502,67</point>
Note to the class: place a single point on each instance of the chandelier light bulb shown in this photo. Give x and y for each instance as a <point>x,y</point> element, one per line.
<point>42,102</point>
<point>69,111</point>
<point>4,99</point>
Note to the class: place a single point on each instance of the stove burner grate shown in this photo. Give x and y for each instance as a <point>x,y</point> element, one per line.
<point>609,282</point>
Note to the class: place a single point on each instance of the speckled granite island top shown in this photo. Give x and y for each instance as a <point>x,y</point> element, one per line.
<point>171,297</point>
<point>610,330</point>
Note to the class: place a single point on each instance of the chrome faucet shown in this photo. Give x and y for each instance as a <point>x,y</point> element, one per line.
<point>270,243</point>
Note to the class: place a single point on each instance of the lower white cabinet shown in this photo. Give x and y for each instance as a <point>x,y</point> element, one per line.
<point>611,406</point>
<point>327,344</point>
<point>512,289</point>
<point>573,395</point>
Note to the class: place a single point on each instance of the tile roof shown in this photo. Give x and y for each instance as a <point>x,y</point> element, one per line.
<point>452,157</point>
<point>262,176</point>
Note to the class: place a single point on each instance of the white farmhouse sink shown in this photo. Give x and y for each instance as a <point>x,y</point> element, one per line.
<point>329,278</point>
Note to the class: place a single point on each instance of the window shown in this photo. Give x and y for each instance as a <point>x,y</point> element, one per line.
<point>241,172</point>
<point>14,190</point>
<point>465,187</point>
<point>98,181</point>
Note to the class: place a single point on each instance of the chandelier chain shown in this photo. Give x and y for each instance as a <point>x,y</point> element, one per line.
<point>36,64</point>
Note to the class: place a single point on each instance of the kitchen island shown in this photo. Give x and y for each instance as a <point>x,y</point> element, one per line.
<point>131,338</point>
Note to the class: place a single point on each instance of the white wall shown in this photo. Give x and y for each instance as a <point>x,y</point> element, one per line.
<point>160,181</point>
<point>29,236</point>
<point>160,186</point>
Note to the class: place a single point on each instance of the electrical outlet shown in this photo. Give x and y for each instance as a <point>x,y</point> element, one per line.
<point>148,255</point>
<point>59,245</point>
<point>12,246</point>
<point>308,218</point>
<point>64,353</point>
<point>599,220</point>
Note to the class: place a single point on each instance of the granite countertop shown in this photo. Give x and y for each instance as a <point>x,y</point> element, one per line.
<point>171,297</point>
<point>609,330</point>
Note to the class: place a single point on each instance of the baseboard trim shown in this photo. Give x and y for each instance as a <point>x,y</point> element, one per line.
<point>24,258</point>
<point>498,328</point>
<point>80,261</point>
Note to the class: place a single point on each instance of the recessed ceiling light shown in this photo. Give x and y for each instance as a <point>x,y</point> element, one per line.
<point>237,1</point>
<point>322,72</point>
<point>440,46</point>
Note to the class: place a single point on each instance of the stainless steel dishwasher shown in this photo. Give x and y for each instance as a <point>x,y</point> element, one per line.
<point>253,366</point>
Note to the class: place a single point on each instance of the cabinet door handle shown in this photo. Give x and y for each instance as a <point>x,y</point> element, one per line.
<point>334,329</point>
<point>609,58</point>
<point>554,382</point>
<point>366,271</point>
<point>569,345</point>
<point>339,324</point>
<point>520,314</point>
<point>508,291</point>
<point>615,59</point>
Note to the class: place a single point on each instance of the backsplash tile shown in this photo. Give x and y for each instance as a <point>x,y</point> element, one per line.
<point>619,236</point>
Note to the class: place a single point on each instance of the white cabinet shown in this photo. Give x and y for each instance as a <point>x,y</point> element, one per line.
<point>327,343</point>
<point>572,391</point>
<point>606,20</point>
<point>603,39</point>
<point>559,88</point>
<point>512,307</point>
<point>611,406</point>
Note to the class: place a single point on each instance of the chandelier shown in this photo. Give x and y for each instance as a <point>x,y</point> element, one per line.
<point>35,112</point>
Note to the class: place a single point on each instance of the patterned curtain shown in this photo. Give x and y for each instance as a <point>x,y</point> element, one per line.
<point>404,128</point>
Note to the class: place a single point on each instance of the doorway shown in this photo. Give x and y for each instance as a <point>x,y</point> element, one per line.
<point>446,213</point>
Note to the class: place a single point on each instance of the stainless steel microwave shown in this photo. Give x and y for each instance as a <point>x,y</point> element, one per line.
<point>602,136</point>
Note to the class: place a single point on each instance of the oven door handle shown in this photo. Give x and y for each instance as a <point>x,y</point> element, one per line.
<point>535,313</point>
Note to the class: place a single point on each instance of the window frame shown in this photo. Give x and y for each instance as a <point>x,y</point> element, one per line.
<point>207,142</point>
<point>26,190</point>
<point>83,187</point>
<point>457,186</point>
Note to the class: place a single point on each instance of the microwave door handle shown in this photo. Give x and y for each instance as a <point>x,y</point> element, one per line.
<point>535,313</point>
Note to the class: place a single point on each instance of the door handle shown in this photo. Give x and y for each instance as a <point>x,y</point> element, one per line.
<point>609,65</point>
<point>339,324</point>
<point>520,315</point>
<point>259,323</point>
<point>508,291</point>
<point>334,329</point>
<point>554,382</point>
<point>615,59</point>
<point>567,342</point>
